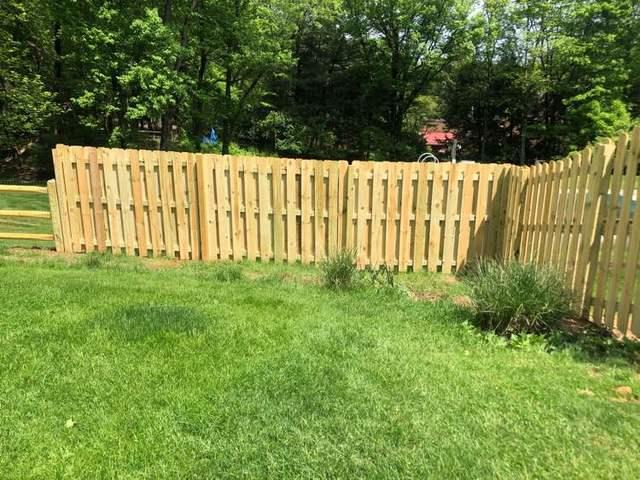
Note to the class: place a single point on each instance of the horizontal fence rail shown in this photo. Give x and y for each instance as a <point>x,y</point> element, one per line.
<point>50,189</point>
<point>578,214</point>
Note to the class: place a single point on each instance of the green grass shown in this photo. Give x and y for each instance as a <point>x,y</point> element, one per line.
<point>24,201</point>
<point>124,368</point>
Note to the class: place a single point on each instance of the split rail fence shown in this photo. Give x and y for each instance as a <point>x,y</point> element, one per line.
<point>48,190</point>
<point>577,214</point>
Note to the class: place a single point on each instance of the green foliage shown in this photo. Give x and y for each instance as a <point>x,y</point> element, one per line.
<point>26,101</point>
<point>339,272</point>
<point>517,298</point>
<point>347,79</point>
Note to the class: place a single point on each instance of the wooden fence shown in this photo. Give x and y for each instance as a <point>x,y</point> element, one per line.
<point>581,216</point>
<point>576,214</point>
<point>50,190</point>
<point>210,207</point>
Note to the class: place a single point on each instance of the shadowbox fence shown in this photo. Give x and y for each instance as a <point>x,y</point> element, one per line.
<point>578,214</point>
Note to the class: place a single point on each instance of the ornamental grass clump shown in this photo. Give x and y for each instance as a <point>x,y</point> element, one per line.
<point>339,271</point>
<point>515,298</point>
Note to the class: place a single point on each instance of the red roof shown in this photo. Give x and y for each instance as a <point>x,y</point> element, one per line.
<point>438,138</point>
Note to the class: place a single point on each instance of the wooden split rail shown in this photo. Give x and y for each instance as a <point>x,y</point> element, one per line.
<point>50,190</point>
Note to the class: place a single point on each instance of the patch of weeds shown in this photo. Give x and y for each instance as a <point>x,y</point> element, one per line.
<point>515,298</point>
<point>222,272</point>
<point>94,260</point>
<point>339,272</point>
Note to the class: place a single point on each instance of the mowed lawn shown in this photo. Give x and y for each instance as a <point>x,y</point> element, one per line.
<point>126,368</point>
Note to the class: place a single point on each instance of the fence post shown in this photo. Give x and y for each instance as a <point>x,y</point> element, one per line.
<point>55,215</point>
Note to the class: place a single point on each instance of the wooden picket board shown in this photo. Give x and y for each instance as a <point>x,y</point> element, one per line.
<point>222,200</point>
<point>363,212</point>
<point>80,155</point>
<point>542,211</point>
<point>551,212</point>
<point>278,206</point>
<point>406,205</point>
<point>560,212</point>
<point>292,203</point>
<point>138,208</point>
<point>493,211</point>
<point>306,192</point>
<point>576,230</point>
<point>166,200</point>
<point>251,202</point>
<point>351,207</point>
<point>204,175</point>
<point>333,218</point>
<point>435,217</point>
<point>194,217</point>
<point>420,250</point>
<point>182,221</point>
<point>528,217</point>
<point>466,212</point>
<point>391,215</point>
<point>569,217</point>
<point>476,250</point>
<point>450,219</point>
<point>95,185</point>
<point>343,168</point>
<point>148,159</point>
<point>377,204</point>
<point>264,205</point>
<point>63,201</point>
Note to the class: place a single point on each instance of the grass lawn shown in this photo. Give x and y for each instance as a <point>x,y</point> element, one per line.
<point>129,368</point>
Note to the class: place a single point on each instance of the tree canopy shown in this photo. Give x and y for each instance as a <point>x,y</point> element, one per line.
<point>355,79</point>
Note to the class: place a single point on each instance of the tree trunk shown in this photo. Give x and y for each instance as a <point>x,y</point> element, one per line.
<point>165,129</point>
<point>226,124</point>
<point>523,142</point>
<point>198,126</point>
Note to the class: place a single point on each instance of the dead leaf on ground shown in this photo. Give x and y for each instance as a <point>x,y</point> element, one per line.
<point>624,391</point>
<point>462,301</point>
<point>586,392</point>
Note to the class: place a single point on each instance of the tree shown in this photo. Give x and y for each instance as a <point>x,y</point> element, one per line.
<point>26,103</point>
<point>408,44</point>
<point>248,43</point>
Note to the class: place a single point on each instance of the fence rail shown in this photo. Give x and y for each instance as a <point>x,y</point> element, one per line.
<point>50,189</point>
<point>577,214</point>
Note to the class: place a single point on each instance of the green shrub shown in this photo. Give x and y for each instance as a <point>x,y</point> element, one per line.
<point>339,271</point>
<point>517,298</point>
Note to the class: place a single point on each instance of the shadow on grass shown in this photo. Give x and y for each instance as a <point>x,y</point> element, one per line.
<point>140,322</point>
<point>595,345</point>
<point>582,340</point>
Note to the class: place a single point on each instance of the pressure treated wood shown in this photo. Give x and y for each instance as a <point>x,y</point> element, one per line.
<point>25,213</point>
<point>22,189</point>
